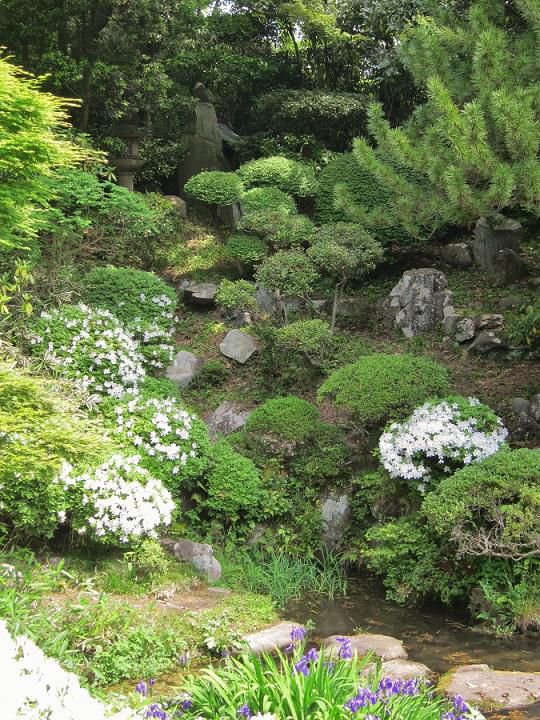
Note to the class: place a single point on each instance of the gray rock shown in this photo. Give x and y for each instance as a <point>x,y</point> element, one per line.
<point>277,637</point>
<point>520,406</point>
<point>201,294</point>
<point>400,669</point>
<point>482,686</point>
<point>335,514</point>
<point>420,301</point>
<point>449,324</point>
<point>226,419</point>
<point>465,330</point>
<point>238,346</point>
<point>198,555</point>
<point>185,367</point>
<point>266,301</point>
<point>489,322</point>
<point>509,267</point>
<point>320,306</point>
<point>351,307</point>
<point>534,282</point>
<point>510,302</point>
<point>534,407</point>
<point>383,646</point>
<point>486,341</point>
<point>457,255</point>
<point>490,239</point>
<point>179,204</point>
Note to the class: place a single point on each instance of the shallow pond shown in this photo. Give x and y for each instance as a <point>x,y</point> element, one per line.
<point>434,637</point>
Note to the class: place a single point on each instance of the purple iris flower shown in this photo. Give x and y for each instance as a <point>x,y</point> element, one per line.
<point>345,650</point>
<point>244,711</point>
<point>156,711</point>
<point>298,634</point>
<point>142,688</point>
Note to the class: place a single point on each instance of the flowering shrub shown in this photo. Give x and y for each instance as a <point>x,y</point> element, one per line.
<point>143,303</point>
<point>117,501</point>
<point>41,428</point>
<point>440,437</point>
<point>91,347</point>
<point>173,443</point>
<point>39,689</point>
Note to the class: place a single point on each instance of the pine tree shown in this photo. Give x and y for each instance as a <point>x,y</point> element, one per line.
<point>472,148</point>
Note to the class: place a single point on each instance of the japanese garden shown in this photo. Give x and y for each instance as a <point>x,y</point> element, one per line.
<point>269,359</point>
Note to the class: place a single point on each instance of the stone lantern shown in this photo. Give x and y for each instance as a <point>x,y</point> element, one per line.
<point>128,164</point>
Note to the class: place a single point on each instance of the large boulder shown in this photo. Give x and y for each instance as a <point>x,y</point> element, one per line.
<point>335,515</point>
<point>480,685</point>
<point>383,646</point>
<point>226,419</point>
<point>486,341</point>
<point>420,301</point>
<point>277,637</point>
<point>179,204</point>
<point>238,345</point>
<point>457,255</point>
<point>198,555</point>
<point>496,247</point>
<point>185,367</point>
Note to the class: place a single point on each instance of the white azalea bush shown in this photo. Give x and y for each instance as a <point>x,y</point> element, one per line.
<point>143,303</point>
<point>439,438</point>
<point>172,442</point>
<point>91,347</point>
<point>118,501</point>
<point>38,688</point>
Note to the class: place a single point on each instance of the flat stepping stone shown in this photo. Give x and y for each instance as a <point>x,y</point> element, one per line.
<point>203,294</point>
<point>185,367</point>
<point>239,346</point>
<point>383,646</point>
<point>479,684</point>
<point>400,669</point>
<point>226,419</point>
<point>276,637</point>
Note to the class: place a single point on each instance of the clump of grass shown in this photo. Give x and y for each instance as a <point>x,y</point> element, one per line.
<point>284,577</point>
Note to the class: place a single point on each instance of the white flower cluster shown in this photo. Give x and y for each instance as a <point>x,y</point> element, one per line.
<point>437,433</point>
<point>167,432</point>
<point>123,500</point>
<point>37,688</point>
<point>100,354</point>
<point>156,342</point>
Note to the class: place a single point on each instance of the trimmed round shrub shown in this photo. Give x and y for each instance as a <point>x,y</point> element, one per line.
<point>280,229</point>
<point>491,508</point>
<point>172,442</point>
<point>118,501</point>
<point>40,429</point>
<point>289,272</point>
<point>380,387</point>
<point>237,295</point>
<point>215,187</point>
<point>267,198</point>
<point>311,339</point>
<point>361,186</point>
<point>439,438</point>
<point>144,303</point>
<point>91,347</point>
<point>289,418</point>
<point>233,485</point>
<point>246,249</point>
<point>291,176</point>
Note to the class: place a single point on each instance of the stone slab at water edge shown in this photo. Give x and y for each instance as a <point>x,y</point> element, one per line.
<point>277,637</point>
<point>383,646</point>
<point>480,685</point>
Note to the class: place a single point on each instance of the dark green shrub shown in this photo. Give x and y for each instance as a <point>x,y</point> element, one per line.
<point>246,249</point>
<point>524,327</point>
<point>211,374</point>
<point>360,186</point>
<point>233,484</point>
<point>380,387</point>
<point>414,563</point>
<point>490,508</point>
<point>290,176</point>
<point>267,198</point>
<point>323,458</point>
<point>309,340</point>
<point>281,230</point>
<point>237,295</point>
<point>40,429</point>
<point>215,187</point>
<point>289,419</point>
<point>288,273</point>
